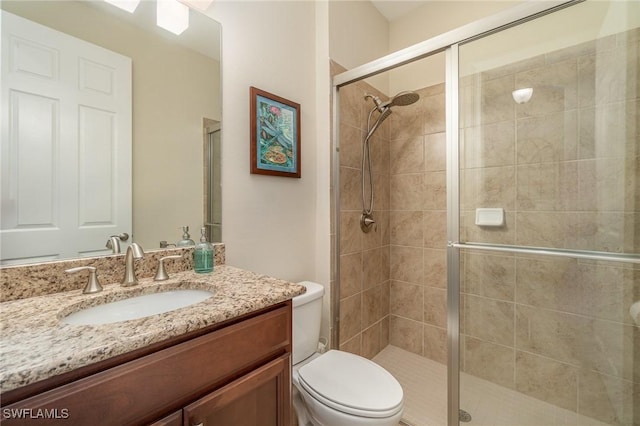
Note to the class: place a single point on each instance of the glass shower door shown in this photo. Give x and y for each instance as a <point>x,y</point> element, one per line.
<point>549,197</point>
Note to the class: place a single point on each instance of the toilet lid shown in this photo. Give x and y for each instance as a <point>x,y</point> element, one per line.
<point>352,384</point>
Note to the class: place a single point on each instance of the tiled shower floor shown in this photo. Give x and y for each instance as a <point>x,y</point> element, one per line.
<point>425,388</point>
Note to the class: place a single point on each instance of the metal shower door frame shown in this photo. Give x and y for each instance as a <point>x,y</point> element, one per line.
<point>447,42</point>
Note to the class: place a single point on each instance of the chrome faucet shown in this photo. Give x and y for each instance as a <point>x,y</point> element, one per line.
<point>134,251</point>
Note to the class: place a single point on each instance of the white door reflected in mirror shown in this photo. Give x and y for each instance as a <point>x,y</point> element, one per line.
<point>66,151</point>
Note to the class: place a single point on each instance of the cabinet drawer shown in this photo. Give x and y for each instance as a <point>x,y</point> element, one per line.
<point>140,391</point>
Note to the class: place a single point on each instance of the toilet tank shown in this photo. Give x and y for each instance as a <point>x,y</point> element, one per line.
<point>307,313</point>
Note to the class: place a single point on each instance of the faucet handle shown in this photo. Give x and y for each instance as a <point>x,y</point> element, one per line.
<point>161,273</point>
<point>93,286</point>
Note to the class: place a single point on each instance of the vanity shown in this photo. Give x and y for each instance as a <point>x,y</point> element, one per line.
<point>224,360</point>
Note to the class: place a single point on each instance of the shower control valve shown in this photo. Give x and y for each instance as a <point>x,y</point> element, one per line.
<point>367,222</point>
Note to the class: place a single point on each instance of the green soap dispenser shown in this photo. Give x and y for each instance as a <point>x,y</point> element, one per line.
<point>203,254</point>
<point>186,240</point>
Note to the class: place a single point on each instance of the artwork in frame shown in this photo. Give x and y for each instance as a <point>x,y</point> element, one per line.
<point>275,135</point>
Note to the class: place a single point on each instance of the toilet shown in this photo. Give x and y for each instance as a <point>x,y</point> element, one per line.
<point>336,388</point>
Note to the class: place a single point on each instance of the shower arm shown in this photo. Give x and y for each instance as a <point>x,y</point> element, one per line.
<point>377,101</point>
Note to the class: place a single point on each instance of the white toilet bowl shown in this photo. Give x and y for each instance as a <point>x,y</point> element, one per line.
<point>337,388</point>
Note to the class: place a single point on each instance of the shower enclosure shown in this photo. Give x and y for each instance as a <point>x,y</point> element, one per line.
<point>506,263</point>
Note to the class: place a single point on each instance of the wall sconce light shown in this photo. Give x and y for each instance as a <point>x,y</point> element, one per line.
<point>173,16</point>
<point>128,5</point>
<point>522,96</point>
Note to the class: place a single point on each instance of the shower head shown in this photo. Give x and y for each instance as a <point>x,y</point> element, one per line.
<point>402,99</point>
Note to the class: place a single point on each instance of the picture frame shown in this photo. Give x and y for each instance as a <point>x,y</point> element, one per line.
<point>275,135</point>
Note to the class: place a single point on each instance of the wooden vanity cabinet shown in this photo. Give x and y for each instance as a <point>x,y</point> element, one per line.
<point>236,375</point>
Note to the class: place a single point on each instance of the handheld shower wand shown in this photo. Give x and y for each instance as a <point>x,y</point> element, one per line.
<point>384,109</point>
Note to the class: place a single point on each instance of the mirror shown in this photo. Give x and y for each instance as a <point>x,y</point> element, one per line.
<point>175,104</point>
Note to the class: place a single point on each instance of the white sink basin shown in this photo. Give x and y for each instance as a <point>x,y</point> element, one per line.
<point>137,307</point>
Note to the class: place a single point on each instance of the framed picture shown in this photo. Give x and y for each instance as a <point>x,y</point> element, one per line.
<point>275,135</point>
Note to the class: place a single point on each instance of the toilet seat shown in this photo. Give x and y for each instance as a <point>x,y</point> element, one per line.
<point>351,384</point>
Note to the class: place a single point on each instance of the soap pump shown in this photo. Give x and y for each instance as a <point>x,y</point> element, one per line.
<point>203,254</point>
<point>186,240</point>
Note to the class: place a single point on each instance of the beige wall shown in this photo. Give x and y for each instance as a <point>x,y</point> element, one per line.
<point>430,20</point>
<point>270,222</point>
<point>168,168</point>
<point>358,34</point>
<point>174,88</point>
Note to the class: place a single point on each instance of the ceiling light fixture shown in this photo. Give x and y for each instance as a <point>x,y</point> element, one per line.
<point>128,5</point>
<point>172,16</point>
<point>522,96</point>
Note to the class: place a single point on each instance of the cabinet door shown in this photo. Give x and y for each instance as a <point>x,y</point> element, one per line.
<point>260,398</point>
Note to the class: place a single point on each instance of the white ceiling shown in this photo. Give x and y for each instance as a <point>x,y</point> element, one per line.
<point>393,9</point>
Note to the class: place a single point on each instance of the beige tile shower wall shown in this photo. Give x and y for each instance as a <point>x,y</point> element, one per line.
<point>566,168</point>
<point>364,258</point>
<point>418,226</point>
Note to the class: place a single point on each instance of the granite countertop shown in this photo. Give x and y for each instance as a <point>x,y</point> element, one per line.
<point>36,344</point>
